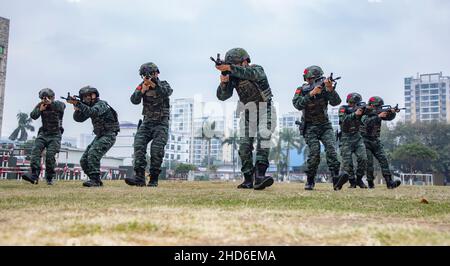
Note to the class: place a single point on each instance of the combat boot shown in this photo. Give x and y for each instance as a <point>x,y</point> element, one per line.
<point>352,182</point>
<point>390,183</point>
<point>94,181</point>
<point>371,183</point>
<point>360,182</point>
<point>153,181</point>
<point>137,180</point>
<point>49,180</point>
<point>339,179</point>
<point>248,182</point>
<point>310,183</point>
<point>32,177</point>
<point>261,180</point>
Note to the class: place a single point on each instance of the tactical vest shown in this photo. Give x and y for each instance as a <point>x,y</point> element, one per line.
<point>106,123</point>
<point>155,107</point>
<point>51,123</point>
<point>250,91</point>
<point>316,110</point>
<point>350,126</point>
<point>373,130</point>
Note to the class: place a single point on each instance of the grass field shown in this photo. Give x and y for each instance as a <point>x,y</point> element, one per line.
<point>215,213</point>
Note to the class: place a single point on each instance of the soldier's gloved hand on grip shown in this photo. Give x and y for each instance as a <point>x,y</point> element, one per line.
<point>148,85</point>
<point>42,107</point>
<point>383,115</point>
<point>223,68</point>
<point>329,85</point>
<point>224,79</point>
<point>317,90</point>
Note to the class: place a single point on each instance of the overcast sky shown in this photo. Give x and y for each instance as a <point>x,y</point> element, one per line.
<point>66,44</point>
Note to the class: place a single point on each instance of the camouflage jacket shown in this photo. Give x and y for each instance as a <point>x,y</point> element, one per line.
<point>315,108</point>
<point>250,83</point>
<point>349,122</point>
<point>104,118</point>
<point>371,124</point>
<point>156,103</point>
<point>52,117</point>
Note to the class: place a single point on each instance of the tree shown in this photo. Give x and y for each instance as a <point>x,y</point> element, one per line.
<point>208,132</point>
<point>415,155</point>
<point>291,139</point>
<point>24,124</point>
<point>183,169</point>
<point>233,140</point>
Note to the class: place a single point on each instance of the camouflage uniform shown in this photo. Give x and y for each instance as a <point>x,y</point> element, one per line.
<point>318,128</point>
<point>351,142</point>
<point>370,130</point>
<point>49,138</point>
<point>106,126</point>
<point>155,128</point>
<point>255,96</point>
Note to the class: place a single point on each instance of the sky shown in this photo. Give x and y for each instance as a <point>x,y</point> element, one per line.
<point>67,44</point>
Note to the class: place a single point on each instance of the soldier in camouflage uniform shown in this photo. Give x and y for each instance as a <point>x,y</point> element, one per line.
<point>317,126</point>
<point>154,94</point>
<point>351,141</point>
<point>370,130</point>
<point>257,114</point>
<point>106,126</point>
<point>49,136</point>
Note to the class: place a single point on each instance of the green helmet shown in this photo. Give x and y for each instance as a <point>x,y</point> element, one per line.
<point>46,92</point>
<point>354,98</point>
<point>88,89</point>
<point>312,72</point>
<point>148,68</point>
<point>236,56</point>
<point>376,101</point>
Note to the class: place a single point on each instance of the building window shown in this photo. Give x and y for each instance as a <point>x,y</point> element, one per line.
<point>178,157</point>
<point>434,110</point>
<point>434,85</point>
<point>407,93</point>
<point>425,86</point>
<point>425,110</point>
<point>434,91</point>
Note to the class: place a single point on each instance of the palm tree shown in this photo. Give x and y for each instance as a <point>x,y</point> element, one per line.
<point>233,139</point>
<point>291,139</point>
<point>208,136</point>
<point>24,124</point>
<point>276,153</point>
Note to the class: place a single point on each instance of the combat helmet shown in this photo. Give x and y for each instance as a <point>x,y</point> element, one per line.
<point>376,101</point>
<point>148,68</point>
<point>236,56</point>
<point>46,92</point>
<point>88,89</point>
<point>312,72</point>
<point>354,98</point>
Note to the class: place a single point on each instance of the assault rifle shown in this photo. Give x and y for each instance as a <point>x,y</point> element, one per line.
<point>320,82</point>
<point>388,108</point>
<point>301,127</point>
<point>220,62</point>
<point>71,98</point>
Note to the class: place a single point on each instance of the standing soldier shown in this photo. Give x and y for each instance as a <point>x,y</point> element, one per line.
<point>351,141</point>
<point>106,126</point>
<point>257,116</point>
<point>370,131</point>
<point>49,136</point>
<point>316,125</point>
<point>154,94</point>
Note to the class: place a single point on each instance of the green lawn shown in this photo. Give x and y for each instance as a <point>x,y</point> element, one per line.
<point>216,213</point>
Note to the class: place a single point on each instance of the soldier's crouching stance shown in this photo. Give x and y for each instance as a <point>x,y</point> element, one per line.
<point>257,115</point>
<point>154,94</point>
<point>370,131</point>
<point>316,124</point>
<point>106,126</point>
<point>49,136</point>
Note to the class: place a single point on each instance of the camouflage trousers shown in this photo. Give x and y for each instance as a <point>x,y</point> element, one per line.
<point>90,160</point>
<point>51,143</point>
<point>259,128</point>
<point>353,143</point>
<point>374,148</point>
<point>157,132</point>
<point>315,134</point>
